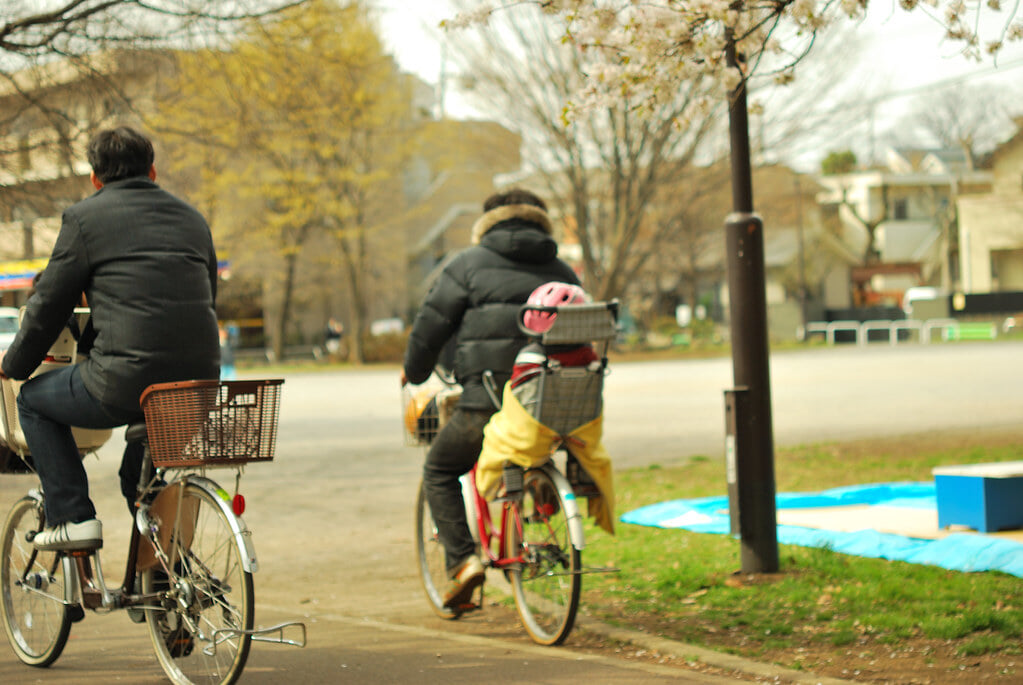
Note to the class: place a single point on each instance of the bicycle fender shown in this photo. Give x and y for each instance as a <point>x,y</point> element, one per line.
<point>238,528</point>
<point>469,498</point>
<point>572,515</point>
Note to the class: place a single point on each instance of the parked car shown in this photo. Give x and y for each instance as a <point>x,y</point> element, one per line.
<point>8,326</point>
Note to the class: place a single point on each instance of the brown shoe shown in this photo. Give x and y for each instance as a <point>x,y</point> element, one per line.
<point>465,579</point>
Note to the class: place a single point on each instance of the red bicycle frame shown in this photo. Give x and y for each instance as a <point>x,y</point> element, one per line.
<point>486,532</point>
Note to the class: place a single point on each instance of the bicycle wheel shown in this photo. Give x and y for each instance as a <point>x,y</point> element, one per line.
<point>206,594</point>
<point>547,582</point>
<point>32,584</point>
<point>430,558</point>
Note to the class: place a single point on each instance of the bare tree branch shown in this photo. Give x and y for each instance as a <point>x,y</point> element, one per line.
<point>50,28</point>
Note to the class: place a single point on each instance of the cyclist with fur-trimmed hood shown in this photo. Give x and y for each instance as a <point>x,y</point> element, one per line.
<point>474,304</point>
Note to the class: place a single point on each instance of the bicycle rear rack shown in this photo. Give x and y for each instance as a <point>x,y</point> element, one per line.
<point>258,635</point>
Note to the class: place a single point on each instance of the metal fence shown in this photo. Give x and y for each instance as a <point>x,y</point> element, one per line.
<point>902,330</point>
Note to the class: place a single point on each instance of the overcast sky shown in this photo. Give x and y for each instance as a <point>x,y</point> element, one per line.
<point>905,56</point>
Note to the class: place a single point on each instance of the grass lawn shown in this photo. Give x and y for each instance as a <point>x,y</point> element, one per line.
<point>832,614</point>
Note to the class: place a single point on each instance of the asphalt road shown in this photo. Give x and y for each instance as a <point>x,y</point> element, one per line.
<point>332,516</point>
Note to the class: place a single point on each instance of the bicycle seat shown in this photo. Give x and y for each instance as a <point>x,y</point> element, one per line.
<point>135,432</point>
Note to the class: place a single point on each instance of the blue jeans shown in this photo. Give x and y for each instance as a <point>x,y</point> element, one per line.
<point>48,405</point>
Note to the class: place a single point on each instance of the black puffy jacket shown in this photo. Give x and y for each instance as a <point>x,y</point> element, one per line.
<point>476,299</point>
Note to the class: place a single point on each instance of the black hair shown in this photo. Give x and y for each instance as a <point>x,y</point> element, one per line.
<point>119,153</point>
<point>514,196</point>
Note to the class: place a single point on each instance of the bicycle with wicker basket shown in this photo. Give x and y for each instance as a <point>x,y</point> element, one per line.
<point>190,558</point>
<point>535,533</point>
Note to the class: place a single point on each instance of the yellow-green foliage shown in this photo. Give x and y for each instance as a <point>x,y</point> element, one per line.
<point>296,130</point>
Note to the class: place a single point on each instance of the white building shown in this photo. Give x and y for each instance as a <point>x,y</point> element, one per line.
<point>991,225</point>
<point>900,220</point>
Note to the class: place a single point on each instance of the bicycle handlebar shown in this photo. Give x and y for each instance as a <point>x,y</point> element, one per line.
<point>446,375</point>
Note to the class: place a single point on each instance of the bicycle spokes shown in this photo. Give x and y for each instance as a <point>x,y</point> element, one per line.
<point>204,628</point>
<point>546,584</point>
<point>32,589</point>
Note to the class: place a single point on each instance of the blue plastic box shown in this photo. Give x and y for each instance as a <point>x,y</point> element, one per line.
<point>985,497</point>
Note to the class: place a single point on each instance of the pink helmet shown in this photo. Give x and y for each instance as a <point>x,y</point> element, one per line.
<point>553,294</point>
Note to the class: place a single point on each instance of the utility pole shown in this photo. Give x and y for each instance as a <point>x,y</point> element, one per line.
<point>750,450</point>
<point>802,256</point>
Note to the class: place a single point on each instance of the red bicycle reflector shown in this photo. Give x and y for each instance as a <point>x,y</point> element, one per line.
<point>238,505</point>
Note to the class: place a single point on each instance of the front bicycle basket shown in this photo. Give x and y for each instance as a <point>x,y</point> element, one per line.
<point>212,423</point>
<point>426,408</point>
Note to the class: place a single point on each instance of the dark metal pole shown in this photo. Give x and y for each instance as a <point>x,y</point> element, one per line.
<point>754,440</point>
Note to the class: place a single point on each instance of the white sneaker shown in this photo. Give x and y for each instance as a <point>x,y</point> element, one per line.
<point>67,536</point>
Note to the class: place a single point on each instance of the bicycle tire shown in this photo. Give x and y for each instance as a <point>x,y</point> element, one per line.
<point>206,590</point>
<point>547,583</point>
<point>36,619</point>
<point>430,558</point>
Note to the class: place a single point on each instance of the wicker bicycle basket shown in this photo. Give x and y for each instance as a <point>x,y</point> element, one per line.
<point>425,409</point>
<point>212,423</point>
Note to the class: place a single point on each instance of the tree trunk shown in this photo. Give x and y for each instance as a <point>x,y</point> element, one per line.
<point>353,253</point>
<point>280,335</point>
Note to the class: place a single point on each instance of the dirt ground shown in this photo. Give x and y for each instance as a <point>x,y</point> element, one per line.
<point>915,661</point>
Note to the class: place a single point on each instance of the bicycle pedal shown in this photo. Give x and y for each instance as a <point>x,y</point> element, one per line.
<point>466,608</point>
<point>76,613</point>
<point>475,602</point>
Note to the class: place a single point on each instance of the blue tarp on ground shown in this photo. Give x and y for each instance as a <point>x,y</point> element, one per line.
<point>957,551</point>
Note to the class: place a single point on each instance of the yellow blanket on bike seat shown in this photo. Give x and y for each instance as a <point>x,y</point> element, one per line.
<point>514,435</point>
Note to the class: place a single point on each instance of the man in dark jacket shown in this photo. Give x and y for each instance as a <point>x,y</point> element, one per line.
<point>475,303</point>
<point>146,263</point>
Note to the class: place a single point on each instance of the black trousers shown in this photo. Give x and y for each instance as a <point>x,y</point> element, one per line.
<point>453,453</point>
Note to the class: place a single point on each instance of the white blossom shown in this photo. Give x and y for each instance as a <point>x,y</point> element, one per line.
<point>646,48</point>
<point>480,15</point>
<point>854,8</point>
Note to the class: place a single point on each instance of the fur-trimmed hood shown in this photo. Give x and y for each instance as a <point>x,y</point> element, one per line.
<point>529,213</point>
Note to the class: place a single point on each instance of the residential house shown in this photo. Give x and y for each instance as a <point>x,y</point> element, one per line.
<point>991,225</point>
<point>899,221</point>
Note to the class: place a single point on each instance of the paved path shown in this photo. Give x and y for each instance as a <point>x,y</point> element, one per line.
<point>342,649</point>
